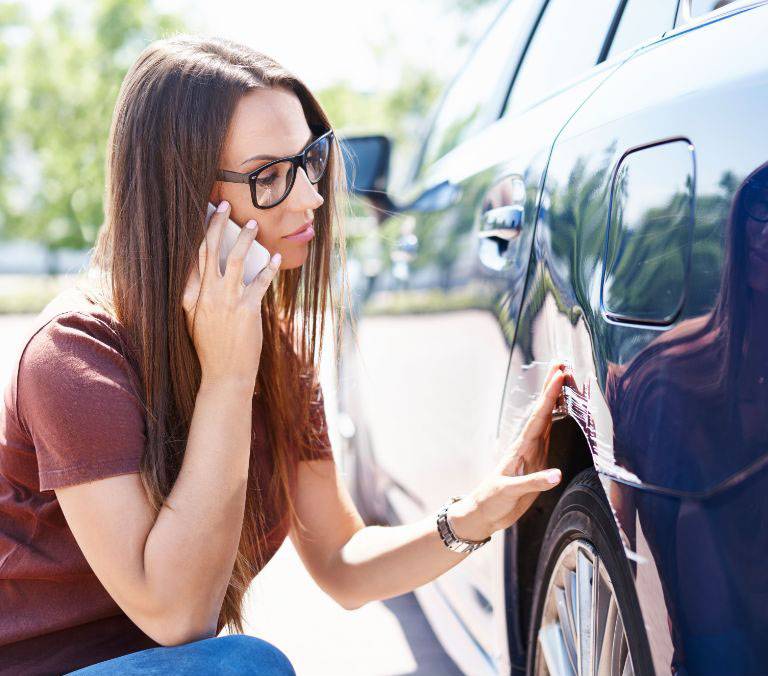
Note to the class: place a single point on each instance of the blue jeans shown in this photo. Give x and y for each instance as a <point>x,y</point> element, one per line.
<point>230,655</point>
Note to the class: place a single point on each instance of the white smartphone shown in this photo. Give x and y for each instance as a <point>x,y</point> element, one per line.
<point>257,257</point>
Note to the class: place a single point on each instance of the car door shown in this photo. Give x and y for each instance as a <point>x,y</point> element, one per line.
<point>436,328</point>
<point>648,275</point>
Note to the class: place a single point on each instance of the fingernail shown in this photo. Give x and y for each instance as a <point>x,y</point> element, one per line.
<point>553,476</point>
<point>250,224</point>
<point>222,206</point>
<point>276,259</point>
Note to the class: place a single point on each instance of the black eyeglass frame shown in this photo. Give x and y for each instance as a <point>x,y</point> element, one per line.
<point>755,191</point>
<point>299,160</point>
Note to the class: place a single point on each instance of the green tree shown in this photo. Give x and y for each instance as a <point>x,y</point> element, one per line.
<point>63,80</point>
<point>11,20</point>
<point>404,112</point>
<point>400,113</point>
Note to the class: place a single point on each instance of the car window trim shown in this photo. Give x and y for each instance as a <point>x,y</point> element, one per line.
<point>523,54</point>
<point>613,26</point>
<point>611,32</point>
<point>418,167</point>
<point>683,18</point>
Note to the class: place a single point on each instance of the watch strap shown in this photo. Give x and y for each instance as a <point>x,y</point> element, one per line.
<point>449,537</point>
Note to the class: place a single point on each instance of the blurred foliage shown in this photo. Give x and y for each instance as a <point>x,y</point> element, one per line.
<point>59,81</point>
<point>425,301</point>
<point>405,112</point>
<point>401,113</point>
<point>58,88</point>
<point>10,15</point>
<point>21,294</point>
<point>60,72</point>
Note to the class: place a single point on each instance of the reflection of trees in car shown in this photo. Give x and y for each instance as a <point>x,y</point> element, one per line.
<point>455,131</point>
<point>704,383</point>
<point>648,264</point>
<point>576,210</point>
<point>574,244</point>
<point>446,234</point>
<point>657,269</point>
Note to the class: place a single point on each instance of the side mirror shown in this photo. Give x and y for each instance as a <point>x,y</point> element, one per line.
<point>366,162</point>
<point>436,198</point>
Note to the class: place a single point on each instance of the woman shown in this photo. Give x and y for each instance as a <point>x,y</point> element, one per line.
<point>166,428</point>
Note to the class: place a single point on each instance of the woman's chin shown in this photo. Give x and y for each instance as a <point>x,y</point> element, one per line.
<point>293,258</point>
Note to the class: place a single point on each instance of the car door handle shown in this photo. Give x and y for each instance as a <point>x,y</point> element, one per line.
<point>502,223</point>
<point>405,249</point>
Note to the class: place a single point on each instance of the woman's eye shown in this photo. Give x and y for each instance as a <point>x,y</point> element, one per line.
<point>266,181</point>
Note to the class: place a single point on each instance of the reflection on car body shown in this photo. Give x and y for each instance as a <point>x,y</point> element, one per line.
<point>608,205</point>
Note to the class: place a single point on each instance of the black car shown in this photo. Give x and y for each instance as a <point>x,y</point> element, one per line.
<point>593,188</point>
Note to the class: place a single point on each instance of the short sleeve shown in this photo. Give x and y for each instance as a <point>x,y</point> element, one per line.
<point>77,400</point>
<point>318,443</point>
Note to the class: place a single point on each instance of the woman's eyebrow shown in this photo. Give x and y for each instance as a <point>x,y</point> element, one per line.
<point>274,157</point>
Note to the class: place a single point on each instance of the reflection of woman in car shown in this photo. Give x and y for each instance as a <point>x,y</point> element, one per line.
<point>167,429</point>
<point>690,413</point>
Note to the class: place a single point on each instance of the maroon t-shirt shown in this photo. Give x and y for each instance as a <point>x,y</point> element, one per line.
<point>71,414</point>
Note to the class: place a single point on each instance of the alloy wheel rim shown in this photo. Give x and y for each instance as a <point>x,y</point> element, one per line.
<point>582,632</point>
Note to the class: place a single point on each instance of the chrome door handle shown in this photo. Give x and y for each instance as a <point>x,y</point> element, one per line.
<point>502,223</point>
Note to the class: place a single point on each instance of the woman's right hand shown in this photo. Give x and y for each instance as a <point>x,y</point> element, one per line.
<point>224,315</point>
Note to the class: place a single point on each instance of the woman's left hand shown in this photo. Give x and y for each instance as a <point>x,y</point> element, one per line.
<point>504,496</point>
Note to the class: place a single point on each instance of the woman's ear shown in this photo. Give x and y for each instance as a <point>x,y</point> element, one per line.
<point>215,196</point>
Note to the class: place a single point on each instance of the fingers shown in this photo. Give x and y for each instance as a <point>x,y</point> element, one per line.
<point>541,417</point>
<point>554,368</point>
<point>191,290</point>
<point>235,264</point>
<point>258,287</point>
<point>534,482</point>
<point>202,254</point>
<point>213,240</point>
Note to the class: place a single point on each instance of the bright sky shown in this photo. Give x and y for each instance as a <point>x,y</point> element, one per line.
<point>323,42</point>
<point>361,42</point>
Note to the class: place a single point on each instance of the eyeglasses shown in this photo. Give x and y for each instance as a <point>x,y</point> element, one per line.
<point>755,199</point>
<point>271,182</point>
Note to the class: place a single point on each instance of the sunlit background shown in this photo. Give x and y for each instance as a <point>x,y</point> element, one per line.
<point>375,67</point>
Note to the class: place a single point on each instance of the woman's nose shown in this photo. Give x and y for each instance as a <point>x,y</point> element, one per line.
<point>304,193</point>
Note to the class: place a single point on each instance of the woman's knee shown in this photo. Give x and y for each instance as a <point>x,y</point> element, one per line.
<point>243,654</point>
<point>230,655</point>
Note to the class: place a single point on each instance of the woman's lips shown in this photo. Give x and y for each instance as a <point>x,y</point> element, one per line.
<point>304,233</point>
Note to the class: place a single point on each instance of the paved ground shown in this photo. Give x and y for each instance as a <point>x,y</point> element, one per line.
<point>285,606</point>
<point>321,638</point>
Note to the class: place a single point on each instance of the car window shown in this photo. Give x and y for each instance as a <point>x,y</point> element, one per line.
<point>568,40</point>
<point>699,7</point>
<point>475,97</point>
<point>642,20</point>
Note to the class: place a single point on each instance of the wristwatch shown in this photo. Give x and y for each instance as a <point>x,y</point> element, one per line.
<point>450,539</point>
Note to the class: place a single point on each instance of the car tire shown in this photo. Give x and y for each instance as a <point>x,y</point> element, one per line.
<point>582,538</point>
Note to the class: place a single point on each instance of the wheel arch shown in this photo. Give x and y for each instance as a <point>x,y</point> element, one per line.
<point>569,451</point>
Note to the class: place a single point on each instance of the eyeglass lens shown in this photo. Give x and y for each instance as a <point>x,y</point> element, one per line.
<point>274,182</point>
<point>756,200</point>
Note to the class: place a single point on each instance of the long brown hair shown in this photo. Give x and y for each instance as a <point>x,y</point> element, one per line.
<point>165,142</point>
